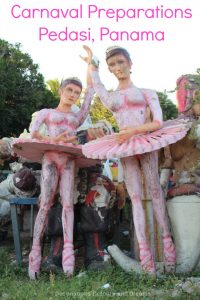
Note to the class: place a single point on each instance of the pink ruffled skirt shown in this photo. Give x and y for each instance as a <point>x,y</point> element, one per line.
<point>108,148</point>
<point>33,150</point>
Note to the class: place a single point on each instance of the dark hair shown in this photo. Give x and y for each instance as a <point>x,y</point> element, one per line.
<point>111,51</point>
<point>73,80</point>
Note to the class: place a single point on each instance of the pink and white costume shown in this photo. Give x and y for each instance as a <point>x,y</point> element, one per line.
<point>129,108</point>
<point>57,168</point>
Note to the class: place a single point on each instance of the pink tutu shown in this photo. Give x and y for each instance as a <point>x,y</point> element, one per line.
<point>108,148</point>
<point>33,150</point>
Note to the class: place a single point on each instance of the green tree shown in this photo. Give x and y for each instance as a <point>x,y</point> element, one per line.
<point>53,85</point>
<point>22,90</point>
<point>99,112</point>
<point>169,109</point>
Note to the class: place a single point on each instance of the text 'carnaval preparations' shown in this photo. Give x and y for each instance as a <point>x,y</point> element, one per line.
<point>130,17</point>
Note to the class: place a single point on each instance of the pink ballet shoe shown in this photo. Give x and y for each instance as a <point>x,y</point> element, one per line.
<point>34,262</point>
<point>146,258</point>
<point>169,254</point>
<point>68,260</point>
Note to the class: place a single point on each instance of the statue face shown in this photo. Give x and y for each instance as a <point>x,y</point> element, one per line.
<point>69,94</point>
<point>120,66</point>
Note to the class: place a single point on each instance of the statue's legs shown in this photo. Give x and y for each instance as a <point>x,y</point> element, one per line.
<point>149,163</point>
<point>49,182</point>
<point>67,174</point>
<point>133,180</point>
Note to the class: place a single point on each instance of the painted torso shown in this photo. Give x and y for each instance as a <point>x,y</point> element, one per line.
<point>58,122</point>
<point>129,105</point>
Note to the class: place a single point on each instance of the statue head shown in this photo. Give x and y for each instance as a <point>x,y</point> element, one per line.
<point>116,50</point>
<point>119,62</point>
<point>188,92</point>
<point>73,80</point>
<point>69,91</point>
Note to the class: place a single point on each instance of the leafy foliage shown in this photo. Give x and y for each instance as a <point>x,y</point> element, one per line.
<point>22,90</point>
<point>168,107</point>
<point>99,112</point>
<point>53,85</point>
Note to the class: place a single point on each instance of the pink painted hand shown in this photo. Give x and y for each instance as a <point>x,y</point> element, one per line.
<point>65,138</point>
<point>94,133</point>
<point>88,58</point>
<point>125,134</point>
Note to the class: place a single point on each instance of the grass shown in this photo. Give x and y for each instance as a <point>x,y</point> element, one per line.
<point>15,284</point>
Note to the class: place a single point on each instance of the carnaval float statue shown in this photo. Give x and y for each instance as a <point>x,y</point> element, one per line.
<point>58,166</point>
<point>95,222</point>
<point>183,160</point>
<point>136,145</point>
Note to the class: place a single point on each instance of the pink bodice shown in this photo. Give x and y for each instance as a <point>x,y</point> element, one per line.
<point>129,105</point>
<point>58,122</point>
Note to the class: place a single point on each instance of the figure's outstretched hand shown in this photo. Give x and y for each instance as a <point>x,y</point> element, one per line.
<point>89,56</point>
<point>124,135</point>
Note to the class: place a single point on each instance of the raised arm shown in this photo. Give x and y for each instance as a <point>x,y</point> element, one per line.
<point>84,110</point>
<point>93,72</point>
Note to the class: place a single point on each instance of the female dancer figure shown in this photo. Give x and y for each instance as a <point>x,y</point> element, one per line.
<point>58,169</point>
<point>129,106</point>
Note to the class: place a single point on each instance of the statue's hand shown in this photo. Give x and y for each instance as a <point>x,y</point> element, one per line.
<point>64,137</point>
<point>124,135</point>
<point>88,58</point>
<point>94,133</point>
